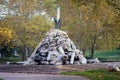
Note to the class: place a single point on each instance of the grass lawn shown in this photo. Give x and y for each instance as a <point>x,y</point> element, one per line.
<point>4,60</point>
<point>101,74</point>
<point>109,55</point>
<point>106,54</point>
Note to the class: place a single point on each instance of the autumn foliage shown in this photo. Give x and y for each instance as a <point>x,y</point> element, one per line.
<point>5,36</point>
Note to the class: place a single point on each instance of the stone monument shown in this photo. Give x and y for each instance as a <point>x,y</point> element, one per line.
<point>56,48</point>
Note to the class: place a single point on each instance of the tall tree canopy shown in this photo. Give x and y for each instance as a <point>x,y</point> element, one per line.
<point>92,23</point>
<point>6,36</point>
<point>28,19</point>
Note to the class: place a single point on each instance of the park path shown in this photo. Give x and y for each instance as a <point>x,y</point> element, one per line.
<point>25,76</point>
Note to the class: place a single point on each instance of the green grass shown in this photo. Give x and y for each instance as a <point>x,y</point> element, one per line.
<point>101,74</point>
<point>5,59</point>
<point>110,54</point>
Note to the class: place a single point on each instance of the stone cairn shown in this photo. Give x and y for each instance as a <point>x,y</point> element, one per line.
<point>56,48</point>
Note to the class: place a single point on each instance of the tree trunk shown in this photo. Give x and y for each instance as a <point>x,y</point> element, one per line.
<point>92,51</point>
<point>93,46</point>
<point>84,50</point>
<point>24,54</point>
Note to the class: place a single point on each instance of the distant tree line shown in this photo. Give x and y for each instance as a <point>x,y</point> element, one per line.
<point>91,24</point>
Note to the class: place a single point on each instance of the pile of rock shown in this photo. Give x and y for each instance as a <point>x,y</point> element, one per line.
<point>56,48</point>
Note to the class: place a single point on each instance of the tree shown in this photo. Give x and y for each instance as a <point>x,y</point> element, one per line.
<point>6,37</point>
<point>27,20</point>
<point>93,22</point>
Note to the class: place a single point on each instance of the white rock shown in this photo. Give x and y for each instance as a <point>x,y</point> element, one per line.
<point>55,47</point>
<point>93,60</point>
<point>114,66</point>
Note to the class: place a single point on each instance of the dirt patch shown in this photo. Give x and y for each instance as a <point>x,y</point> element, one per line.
<point>51,69</point>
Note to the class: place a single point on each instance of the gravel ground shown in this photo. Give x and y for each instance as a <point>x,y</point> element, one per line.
<point>25,76</point>
<point>21,72</point>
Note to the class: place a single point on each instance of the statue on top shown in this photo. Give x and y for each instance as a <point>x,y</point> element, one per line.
<point>57,21</point>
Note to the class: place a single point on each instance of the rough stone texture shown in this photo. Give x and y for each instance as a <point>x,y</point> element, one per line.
<point>56,48</point>
<point>114,67</point>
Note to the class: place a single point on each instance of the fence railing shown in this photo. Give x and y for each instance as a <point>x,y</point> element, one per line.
<point>109,59</point>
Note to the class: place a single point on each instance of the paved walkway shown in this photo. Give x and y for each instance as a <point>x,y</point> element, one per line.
<point>25,76</point>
